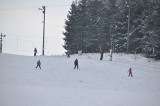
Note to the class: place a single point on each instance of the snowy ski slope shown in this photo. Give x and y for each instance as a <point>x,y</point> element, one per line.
<point>95,83</point>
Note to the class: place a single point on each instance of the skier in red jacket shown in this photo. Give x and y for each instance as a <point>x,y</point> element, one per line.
<point>130,72</point>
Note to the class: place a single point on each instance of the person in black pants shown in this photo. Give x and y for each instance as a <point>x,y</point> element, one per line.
<point>38,64</point>
<point>130,72</point>
<point>101,55</point>
<point>76,64</point>
<point>35,52</point>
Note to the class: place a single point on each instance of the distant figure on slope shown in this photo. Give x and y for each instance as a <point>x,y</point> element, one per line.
<point>130,72</point>
<point>35,51</point>
<point>76,63</point>
<point>38,64</point>
<point>68,53</point>
<point>101,55</point>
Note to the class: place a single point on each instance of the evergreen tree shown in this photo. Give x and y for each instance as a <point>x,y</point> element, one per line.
<point>120,27</point>
<point>75,24</point>
<point>97,25</point>
<point>70,29</point>
<point>82,24</point>
<point>96,32</point>
<point>136,22</point>
<point>151,39</point>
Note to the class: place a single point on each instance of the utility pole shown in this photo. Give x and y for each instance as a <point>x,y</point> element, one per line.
<point>43,11</point>
<point>1,42</point>
<point>128,31</point>
<point>82,41</point>
<point>111,38</point>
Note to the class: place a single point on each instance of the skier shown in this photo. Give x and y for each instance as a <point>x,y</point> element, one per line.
<point>101,55</point>
<point>130,72</point>
<point>35,52</point>
<point>68,53</point>
<point>76,63</point>
<point>38,64</point>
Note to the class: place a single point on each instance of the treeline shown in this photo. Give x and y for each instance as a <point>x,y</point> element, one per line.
<point>100,25</point>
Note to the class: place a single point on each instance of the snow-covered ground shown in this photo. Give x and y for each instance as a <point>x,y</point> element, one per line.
<point>95,83</point>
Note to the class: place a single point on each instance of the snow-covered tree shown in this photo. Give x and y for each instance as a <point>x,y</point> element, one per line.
<point>70,29</point>
<point>85,26</point>
<point>151,30</point>
<point>93,25</point>
<point>96,27</point>
<point>120,27</point>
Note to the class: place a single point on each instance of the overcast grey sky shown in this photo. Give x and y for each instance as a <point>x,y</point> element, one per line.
<point>21,22</point>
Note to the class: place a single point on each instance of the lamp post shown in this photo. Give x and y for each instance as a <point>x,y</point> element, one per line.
<point>1,42</point>
<point>43,11</point>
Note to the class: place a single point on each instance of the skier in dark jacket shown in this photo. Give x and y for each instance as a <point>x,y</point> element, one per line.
<point>38,64</point>
<point>130,72</point>
<point>35,52</point>
<point>101,55</point>
<point>76,63</point>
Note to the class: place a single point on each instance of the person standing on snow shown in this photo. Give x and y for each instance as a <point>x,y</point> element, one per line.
<point>35,51</point>
<point>38,64</point>
<point>130,72</point>
<point>68,53</point>
<point>101,55</point>
<point>76,63</point>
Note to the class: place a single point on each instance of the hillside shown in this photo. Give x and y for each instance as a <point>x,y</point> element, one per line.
<point>95,83</point>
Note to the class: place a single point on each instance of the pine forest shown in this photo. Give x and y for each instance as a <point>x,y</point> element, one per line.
<point>123,26</point>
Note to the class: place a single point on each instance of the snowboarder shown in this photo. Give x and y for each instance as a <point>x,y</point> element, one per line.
<point>130,72</point>
<point>38,64</point>
<point>35,51</point>
<point>76,63</point>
